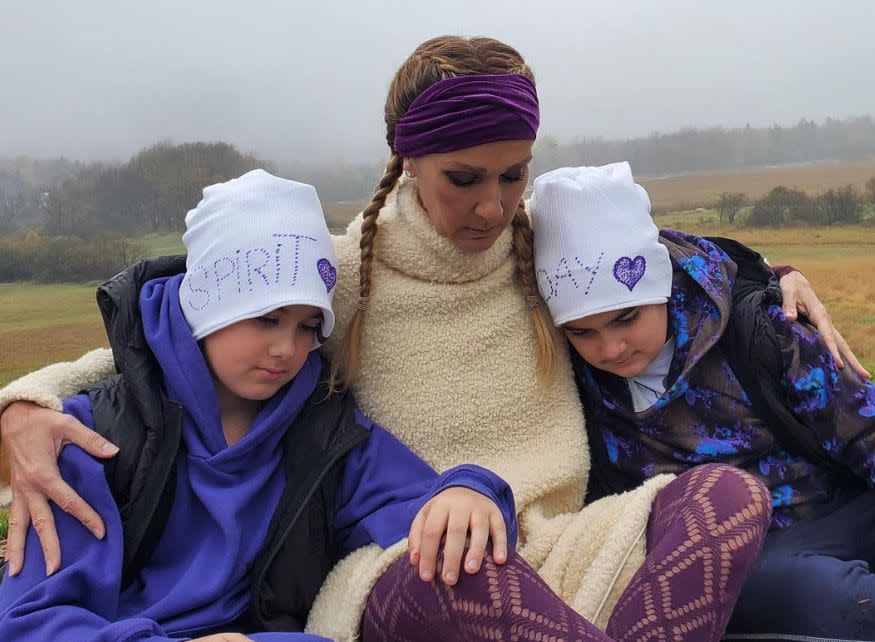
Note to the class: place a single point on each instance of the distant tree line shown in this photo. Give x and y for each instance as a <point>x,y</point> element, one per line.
<point>75,226</point>
<point>67,220</point>
<point>717,148</point>
<point>154,190</point>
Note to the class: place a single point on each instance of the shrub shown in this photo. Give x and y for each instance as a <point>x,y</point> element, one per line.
<point>841,205</point>
<point>65,258</point>
<point>781,206</point>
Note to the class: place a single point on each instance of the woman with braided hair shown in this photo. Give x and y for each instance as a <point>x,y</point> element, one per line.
<point>447,343</point>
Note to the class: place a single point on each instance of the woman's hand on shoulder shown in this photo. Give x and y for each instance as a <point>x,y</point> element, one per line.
<point>458,517</point>
<point>32,437</point>
<point>799,298</point>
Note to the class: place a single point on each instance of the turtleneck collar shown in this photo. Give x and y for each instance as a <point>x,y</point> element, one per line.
<point>408,242</point>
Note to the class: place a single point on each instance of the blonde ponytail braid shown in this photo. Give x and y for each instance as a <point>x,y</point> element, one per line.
<point>345,364</point>
<point>523,249</point>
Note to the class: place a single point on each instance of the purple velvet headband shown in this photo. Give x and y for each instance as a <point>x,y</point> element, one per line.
<point>465,111</point>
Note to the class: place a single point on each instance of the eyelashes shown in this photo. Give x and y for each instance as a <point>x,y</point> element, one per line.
<point>272,321</point>
<point>467,179</point>
<point>628,319</point>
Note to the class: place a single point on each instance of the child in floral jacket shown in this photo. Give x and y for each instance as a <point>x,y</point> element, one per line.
<point>683,359</point>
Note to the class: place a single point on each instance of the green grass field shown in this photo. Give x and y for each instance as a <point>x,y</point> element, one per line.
<point>41,324</point>
<point>162,244</point>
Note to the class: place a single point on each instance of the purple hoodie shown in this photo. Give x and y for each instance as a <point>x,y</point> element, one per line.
<point>197,580</point>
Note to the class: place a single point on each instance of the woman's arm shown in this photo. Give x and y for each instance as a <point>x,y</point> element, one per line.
<point>47,386</point>
<point>79,602</point>
<point>33,433</point>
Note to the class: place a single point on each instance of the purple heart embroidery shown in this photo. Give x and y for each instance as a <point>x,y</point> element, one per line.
<point>328,273</point>
<point>629,271</point>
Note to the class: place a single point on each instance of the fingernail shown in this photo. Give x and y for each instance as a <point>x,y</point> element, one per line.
<point>13,570</point>
<point>425,575</point>
<point>109,448</point>
<point>98,533</point>
<point>49,570</point>
<point>472,565</point>
<point>450,578</point>
<point>500,556</point>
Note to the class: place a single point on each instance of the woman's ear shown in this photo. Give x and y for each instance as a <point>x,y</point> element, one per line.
<point>409,168</point>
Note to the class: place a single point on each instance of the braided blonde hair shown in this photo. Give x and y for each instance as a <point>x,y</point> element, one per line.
<point>434,60</point>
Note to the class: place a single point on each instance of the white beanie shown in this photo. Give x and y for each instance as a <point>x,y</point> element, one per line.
<point>255,244</point>
<point>596,246</point>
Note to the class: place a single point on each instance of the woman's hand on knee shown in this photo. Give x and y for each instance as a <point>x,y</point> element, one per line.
<point>459,518</point>
<point>224,637</point>
<point>32,437</point>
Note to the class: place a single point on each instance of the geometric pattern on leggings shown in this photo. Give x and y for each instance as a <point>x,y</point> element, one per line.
<point>705,533</point>
<point>507,602</point>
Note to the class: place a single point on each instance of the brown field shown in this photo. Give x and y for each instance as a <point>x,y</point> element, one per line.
<point>339,215</point>
<point>41,324</point>
<point>695,190</point>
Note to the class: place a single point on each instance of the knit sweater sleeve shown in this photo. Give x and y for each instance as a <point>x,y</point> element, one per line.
<point>50,384</point>
<point>837,405</point>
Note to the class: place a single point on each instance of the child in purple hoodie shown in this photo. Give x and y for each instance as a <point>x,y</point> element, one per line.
<point>684,357</point>
<point>241,478</point>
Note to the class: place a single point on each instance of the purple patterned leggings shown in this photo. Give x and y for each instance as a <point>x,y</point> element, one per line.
<point>705,532</point>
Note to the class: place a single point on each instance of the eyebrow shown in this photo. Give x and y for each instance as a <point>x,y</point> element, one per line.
<point>463,167</point>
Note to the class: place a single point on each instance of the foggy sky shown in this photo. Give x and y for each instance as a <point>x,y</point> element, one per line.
<point>288,80</point>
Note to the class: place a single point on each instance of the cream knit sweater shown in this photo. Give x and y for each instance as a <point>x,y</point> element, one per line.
<point>448,365</point>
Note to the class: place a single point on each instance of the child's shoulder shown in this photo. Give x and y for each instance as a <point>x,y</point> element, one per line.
<point>79,407</point>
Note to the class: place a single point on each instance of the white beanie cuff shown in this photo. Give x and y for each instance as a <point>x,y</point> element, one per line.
<point>571,315</point>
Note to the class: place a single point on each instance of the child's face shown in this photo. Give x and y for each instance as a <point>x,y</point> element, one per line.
<point>622,342</point>
<point>254,358</point>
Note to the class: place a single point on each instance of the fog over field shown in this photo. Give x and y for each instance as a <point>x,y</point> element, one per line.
<point>100,79</point>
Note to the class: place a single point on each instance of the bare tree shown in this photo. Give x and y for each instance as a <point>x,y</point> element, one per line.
<point>870,190</point>
<point>730,205</point>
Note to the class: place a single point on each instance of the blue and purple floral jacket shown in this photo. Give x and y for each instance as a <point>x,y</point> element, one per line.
<point>705,416</point>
